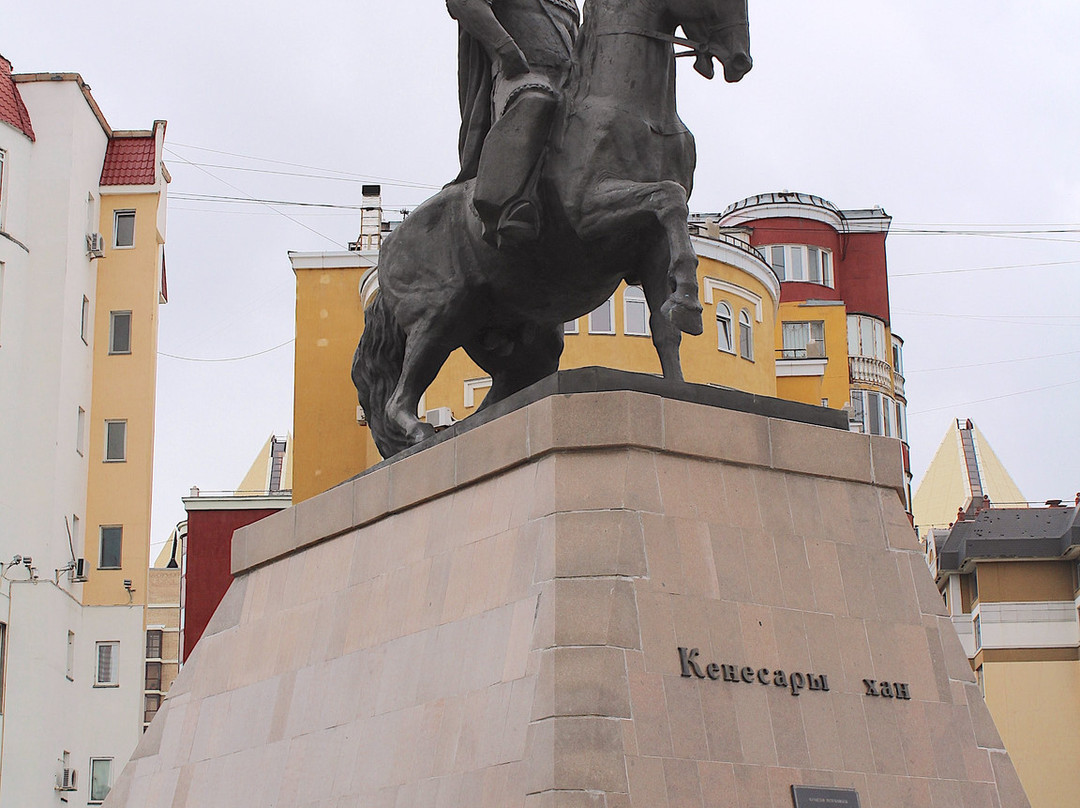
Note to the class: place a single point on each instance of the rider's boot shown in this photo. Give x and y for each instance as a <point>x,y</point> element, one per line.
<point>504,196</point>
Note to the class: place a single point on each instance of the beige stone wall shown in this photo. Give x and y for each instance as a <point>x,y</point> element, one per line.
<point>495,622</point>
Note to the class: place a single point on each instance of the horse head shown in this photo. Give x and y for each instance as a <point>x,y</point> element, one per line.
<point>721,30</point>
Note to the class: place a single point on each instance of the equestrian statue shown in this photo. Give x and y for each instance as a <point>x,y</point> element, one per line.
<point>575,176</point>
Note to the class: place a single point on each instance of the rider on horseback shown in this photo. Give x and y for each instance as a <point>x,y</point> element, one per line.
<point>513,57</point>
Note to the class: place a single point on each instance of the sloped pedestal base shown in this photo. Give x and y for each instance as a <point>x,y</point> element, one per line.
<point>496,622</point>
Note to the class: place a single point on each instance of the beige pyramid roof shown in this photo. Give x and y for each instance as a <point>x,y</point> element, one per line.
<point>257,479</point>
<point>945,487</point>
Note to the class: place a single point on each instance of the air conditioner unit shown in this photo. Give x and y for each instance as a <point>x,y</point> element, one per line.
<point>815,349</point>
<point>78,571</point>
<point>440,417</point>
<point>68,780</point>
<point>95,245</point>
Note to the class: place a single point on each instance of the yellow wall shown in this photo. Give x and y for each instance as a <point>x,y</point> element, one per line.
<point>1027,581</point>
<point>834,384</point>
<point>1036,706</point>
<point>123,388</point>
<point>329,445</point>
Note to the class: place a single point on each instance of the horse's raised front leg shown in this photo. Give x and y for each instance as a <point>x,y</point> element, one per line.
<point>614,204</point>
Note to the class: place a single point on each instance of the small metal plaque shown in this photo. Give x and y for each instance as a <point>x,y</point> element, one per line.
<point>817,797</point>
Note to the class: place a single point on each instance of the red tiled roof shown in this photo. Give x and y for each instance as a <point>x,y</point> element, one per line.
<point>129,161</point>
<point>12,108</point>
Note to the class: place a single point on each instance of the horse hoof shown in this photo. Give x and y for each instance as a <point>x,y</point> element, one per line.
<point>684,315</point>
<point>419,433</point>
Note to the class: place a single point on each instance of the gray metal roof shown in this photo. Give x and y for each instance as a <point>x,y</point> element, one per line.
<point>1010,533</point>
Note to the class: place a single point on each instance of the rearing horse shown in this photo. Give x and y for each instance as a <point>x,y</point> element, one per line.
<point>614,187</point>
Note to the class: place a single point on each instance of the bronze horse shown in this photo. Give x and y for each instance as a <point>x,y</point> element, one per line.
<point>614,187</point>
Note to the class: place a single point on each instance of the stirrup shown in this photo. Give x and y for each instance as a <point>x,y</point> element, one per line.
<point>518,224</point>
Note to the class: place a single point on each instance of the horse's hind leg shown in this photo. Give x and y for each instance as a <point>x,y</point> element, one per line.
<point>535,355</point>
<point>426,349</point>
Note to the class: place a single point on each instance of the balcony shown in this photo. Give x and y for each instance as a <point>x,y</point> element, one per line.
<point>808,361</point>
<point>898,385</point>
<point>865,370</point>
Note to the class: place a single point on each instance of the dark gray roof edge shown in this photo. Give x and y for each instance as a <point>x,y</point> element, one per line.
<point>972,541</point>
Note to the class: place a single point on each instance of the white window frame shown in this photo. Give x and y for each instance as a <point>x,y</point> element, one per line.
<point>570,327</point>
<point>101,547</point>
<point>885,422</point>
<point>97,799</point>
<point>725,325</point>
<point>112,331</point>
<point>110,424</point>
<point>867,338</point>
<point>797,262</point>
<point>116,229</point>
<point>113,679</point>
<point>808,331</point>
<point>746,335</point>
<point>634,298</point>
<point>609,305</point>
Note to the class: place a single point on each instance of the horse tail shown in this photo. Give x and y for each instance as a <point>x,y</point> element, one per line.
<point>376,368</point>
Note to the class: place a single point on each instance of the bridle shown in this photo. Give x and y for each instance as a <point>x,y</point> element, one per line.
<point>696,48</point>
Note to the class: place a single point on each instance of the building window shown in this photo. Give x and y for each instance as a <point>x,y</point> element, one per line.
<point>866,337</point>
<point>897,356</point>
<point>746,336</point>
<point>112,539</point>
<point>602,319</point>
<point>115,441</point>
<point>724,341</point>
<point>153,645</point>
<point>100,779</point>
<point>124,228</point>
<point>84,320</point>
<point>80,431</point>
<point>108,662</point>
<point>153,676</point>
<point>973,586</point>
<point>570,327</point>
<point>153,704</point>
<point>635,312</point>
<point>120,332</point>
<point>71,657</point>
<point>873,413</point>
<point>978,633</point>
<point>803,340</point>
<point>798,262</point>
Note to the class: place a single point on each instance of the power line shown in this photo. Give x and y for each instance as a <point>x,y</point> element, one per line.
<point>241,190</point>
<point>363,177</point>
<point>227,358</point>
<point>995,398</point>
<point>980,269</point>
<point>996,362</point>
<point>1069,320</point>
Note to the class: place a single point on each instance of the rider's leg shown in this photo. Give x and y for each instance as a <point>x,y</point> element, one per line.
<point>513,147</point>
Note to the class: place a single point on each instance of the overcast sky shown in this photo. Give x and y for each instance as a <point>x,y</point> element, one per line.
<point>959,118</point>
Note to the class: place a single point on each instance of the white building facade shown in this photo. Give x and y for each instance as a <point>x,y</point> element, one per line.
<point>71,690</point>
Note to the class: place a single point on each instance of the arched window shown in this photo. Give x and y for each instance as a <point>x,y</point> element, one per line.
<point>635,312</point>
<point>724,340</point>
<point>746,336</point>
<point>602,318</point>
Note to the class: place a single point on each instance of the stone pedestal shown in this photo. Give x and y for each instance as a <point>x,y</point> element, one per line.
<point>599,600</point>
